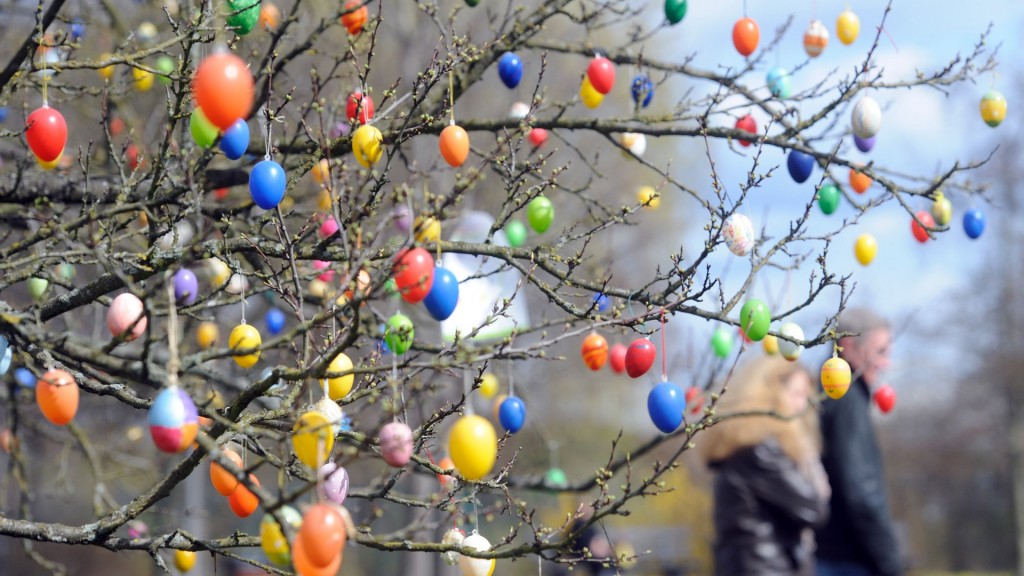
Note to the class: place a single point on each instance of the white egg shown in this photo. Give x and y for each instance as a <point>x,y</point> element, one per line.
<point>453,537</point>
<point>636,143</point>
<point>866,118</point>
<point>476,566</point>
<point>180,236</point>
<point>788,349</point>
<point>519,111</point>
<point>738,233</point>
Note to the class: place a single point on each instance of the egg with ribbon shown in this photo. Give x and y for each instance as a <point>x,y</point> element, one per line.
<point>639,357</point>
<point>666,405</point>
<point>173,420</point>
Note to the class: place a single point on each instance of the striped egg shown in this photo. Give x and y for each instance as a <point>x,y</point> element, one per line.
<point>173,420</point>
<point>815,38</point>
<point>594,351</point>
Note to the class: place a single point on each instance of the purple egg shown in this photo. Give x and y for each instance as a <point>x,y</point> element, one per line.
<point>340,129</point>
<point>186,287</point>
<point>864,144</point>
<point>333,482</point>
<point>401,217</point>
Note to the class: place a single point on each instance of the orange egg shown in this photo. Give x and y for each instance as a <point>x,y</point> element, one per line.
<point>355,20</point>
<point>270,16</point>
<point>322,535</point>
<point>57,396</point>
<point>223,481</point>
<point>305,567</point>
<point>243,502</point>
<point>859,181</point>
<point>594,351</point>
<point>454,144</point>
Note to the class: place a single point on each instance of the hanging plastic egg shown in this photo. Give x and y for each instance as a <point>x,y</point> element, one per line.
<point>815,38</point>
<point>414,273</point>
<point>328,228</point>
<point>993,108</point>
<point>46,166</point>
<point>473,446</point>
<point>770,344</point>
<point>476,566</point>
<point>917,226</point>
<point>859,181</point>
<point>186,287</point>
<point>537,137</point>
<point>37,287</point>
<point>738,233</point>
<point>828,198</point>
<point>244,342</point>
<point>106,72</point>
<point>322,535</point>
<point>275,320</point>
<point>835,377</point>
<point>173,420</point>
<point>235,140</point>
<point>339,386</point>
<point>512,414</point>
<point>589,95</point>
<point>367,145</point>
<point>454,145</point>
<point>396,444</point>
<point>46,133</point>
<point>453,537</point>
<point>519,110</point>
<point>540,213</point>
<point>601,73</point>
<point>243,16</point>
<point>847,27</point>
<point>203,131</point>
<point>942,209</point>
<point>359,107</point>
<point>866,118</point>
<point>24,378</point>
<point>184,560</point>
<point>510,69</point>
<point>5,360</point>
<point>224,482</point>
<point>77,30</point>
<point>745,36</point>
<point>355,17</point>
<point>790,350</point>
<point>666,405</point>
<point>333,483</point>
<point>270,16</point>
<point>207,334</point>
<point>675,11</point>
<point>721,342</point>
<point>426,229</point>
<point>864,144</point>
<point>223,88</point>
<point>635,142</point>
<point>242,501</point>
<point>800,165</point>
<point>617,358</point>
<point>305,567</point>
<point>594,351</point>
<point>639,357</point>
<point>885,398</point>
<point>399,334</point>
<point>272,539</point>
<point>489,385</point>
<point>779,81</point>
<point>57,396</point>
<point>326,274</point>
<point>267,183</point>
<point>602,302</point>
<point>312,440</point>
<point>642,90</point>
<point>755,319</point>
<point>694,400</point>
<point>974,223</point>
<point>865,249</point>
<point>322,175</point>
<point>126,317</point>
<point>443,296</point>
<point>749,125</point>
<point>515,233</point>
<point>142,79</point>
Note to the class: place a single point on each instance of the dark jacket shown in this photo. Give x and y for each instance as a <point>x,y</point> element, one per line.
<point>859,529</point>
<point>762,505</point>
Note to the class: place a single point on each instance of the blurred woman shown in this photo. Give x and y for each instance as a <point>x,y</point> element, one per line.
<point>770,489</point>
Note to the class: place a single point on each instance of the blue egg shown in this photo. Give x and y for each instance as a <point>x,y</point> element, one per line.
<point>864,144</point>
<point>383,346</point>
<point>235,140</point>
<point>443,295</point>
<point>974,223</point>
<point>510,69</point>
<point>25,378</point>
<point>77,30</point>
<point>5,360</point>
<point>642,90</point>
<point>602,302</point>
<point>800,165</point>
<point>3,114</point>
<point>267,184</point>
<point>780,83</point>
<point>275,320</point>
<point>666,404</point>
<point>345,424</point>
<point>512,414</point>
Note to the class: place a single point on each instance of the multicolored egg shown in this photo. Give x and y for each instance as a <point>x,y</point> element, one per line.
<point>642,90</point>
<point>473,446</point>
<point>594,351</point>
<point>126,317</point>
<point>396,443</point>
<point>245,341</point>
<point>738,234</point>
<point>790,350</point>
<point>835,377</point>
<point>635,142</point>
<point>173,420</point>
<point>272,538</point>
<point>942,209</point>
<point>57,396</point>
<point>476,566</point>
<point>918,225</point>
<point>993,108</point>
<point>815,38</point>
<point>866,118</point>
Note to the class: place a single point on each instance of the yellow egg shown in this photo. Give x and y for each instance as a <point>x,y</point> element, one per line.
<point>847,27</point>
<point>220,272</point>
<point>52,163</point>
<point>143,79</point>
<point>649,197</point>
<point>324,201</point>
<point>322,171</point>
<point>312,439</point>
<point>489,385</point>
<point>427,229</point>
<point>942,209</point>
<point>318,288</point>
<point>339,387</point>
<point>184,560</point>
<point>771,345</point>
<point>589,95</point>
<point>207,334</point>
<point>367,145</point>
<point>835,377</point>
<point>993,108</point>
<point>865,249</point>
<point>245,337</point>
<point>473,446</point>
<point>107,72</point>
<point>272,539</point>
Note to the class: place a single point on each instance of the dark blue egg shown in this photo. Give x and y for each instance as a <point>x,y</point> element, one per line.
<point>77,30</point>
<point>267,184</point>
<point>25,378</point>
<point>864,144</point>
<point>800,165</point>
<point>510,69</point>
<point>642,90</point>
<point>666,404</point>
<point>235,140</point>
<point>512,414</point>
<point>974,223</point>
<point>602,302</point>
<point>275,320</point>
<point>443,295</point>
<point>384,347</point>
<point>3,114</point>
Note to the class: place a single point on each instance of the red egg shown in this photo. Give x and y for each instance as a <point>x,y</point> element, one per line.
<point>131,153</point>
<point>537,136</point>
<point>361,104</point>
<point>746,124</point>
<point>920,233</point>
<point>414,274</point>
<point>46,133</point>
<point>617,358</point>
<point>639,357</point>
<point>594,351</point>
<point>601,74</point>
<point>885,398</point>
<point>694,400</point>
<point>745,36</point>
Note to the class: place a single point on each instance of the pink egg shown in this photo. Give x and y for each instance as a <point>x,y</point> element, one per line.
<point>322,265</point>
<point>330,226</point>
<point>401,217</point>
<point>124,311</point>
<point>396,444</point>
<point>333,482</point>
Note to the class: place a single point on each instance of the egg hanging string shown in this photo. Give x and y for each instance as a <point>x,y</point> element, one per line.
<point>664,353</point>
<point>451,96</point>
<point>173,362</point>
<point>467,389</point>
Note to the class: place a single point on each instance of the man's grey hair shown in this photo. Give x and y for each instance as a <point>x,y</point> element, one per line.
<point>860,321</point>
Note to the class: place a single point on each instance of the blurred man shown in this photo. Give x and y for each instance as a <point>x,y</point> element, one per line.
<point>858,539</point>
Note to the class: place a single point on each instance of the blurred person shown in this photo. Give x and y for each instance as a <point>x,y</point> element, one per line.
<point>769,488</point>
<point>859,538</point>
